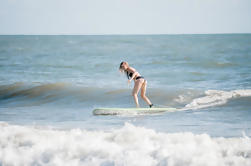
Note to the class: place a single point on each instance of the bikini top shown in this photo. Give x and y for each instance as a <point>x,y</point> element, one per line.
<point>129,74</point>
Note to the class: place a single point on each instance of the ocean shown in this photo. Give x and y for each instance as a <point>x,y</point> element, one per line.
<point>49,86</point>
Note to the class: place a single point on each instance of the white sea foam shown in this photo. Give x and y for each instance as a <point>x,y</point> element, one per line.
<point>217,97</point>
<point>129,145</point>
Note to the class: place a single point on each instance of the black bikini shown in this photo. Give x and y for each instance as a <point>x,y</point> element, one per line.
<point>139,77</point>
<point>130,75</point>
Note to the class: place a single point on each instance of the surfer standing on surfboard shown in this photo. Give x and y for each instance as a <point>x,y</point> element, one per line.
<point>139,83</point>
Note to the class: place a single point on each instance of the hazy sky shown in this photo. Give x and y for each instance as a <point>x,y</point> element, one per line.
<point>124,16</point>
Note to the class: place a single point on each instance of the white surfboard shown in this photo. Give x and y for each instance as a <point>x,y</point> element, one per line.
<point>130,111</point>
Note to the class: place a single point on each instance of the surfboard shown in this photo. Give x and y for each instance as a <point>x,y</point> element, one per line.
<point>131,111</point>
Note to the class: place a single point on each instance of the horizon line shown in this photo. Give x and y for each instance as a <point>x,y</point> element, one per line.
<point>117,34</point>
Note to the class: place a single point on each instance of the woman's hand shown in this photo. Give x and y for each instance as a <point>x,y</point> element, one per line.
<point>129,81</point>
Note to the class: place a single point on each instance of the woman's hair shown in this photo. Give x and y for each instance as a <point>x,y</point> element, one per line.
<point>121,70</point>
<point>121,64</point>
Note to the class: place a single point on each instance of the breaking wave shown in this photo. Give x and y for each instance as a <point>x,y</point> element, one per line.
<point>216,98</point>
<point>129,145</point>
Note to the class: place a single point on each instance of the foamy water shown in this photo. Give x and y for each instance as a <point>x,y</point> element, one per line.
<point>216,98</point>
<point>129,145</point>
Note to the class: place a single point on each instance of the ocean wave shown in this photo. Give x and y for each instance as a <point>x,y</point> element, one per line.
<point>34,94</point>
<point>129,145</point>
<point>216,98</point>
<point>21,94</point>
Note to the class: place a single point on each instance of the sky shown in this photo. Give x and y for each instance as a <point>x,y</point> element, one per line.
<point>125,16</point>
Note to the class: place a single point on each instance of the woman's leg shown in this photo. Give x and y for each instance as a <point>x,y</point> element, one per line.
<point>143,93</point>
<point>137,86</point>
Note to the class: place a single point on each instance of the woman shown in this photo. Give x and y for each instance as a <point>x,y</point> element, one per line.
<point>139,83</point>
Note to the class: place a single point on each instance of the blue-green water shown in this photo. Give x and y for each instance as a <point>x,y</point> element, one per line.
<point>57,81</point>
